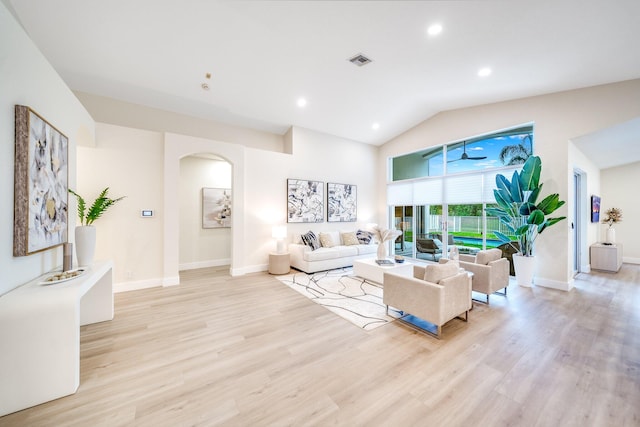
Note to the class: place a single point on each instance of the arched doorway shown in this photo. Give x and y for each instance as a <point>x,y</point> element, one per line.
<point>175,148</point>
<point>205,198</point>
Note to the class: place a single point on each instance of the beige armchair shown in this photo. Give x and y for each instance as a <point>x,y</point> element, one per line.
<point>436,303</point>
<point>490,271</point>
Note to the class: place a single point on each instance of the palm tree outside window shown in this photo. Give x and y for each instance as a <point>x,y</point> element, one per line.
<point>517,154</point>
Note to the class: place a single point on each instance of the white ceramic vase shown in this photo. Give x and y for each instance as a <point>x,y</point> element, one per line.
<point>611,235</point>
<point>382,250</point>
<point>524,267</point>
<point>85,245</point>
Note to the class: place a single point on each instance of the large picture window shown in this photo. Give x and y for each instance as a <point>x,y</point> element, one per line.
<point>438,196</point>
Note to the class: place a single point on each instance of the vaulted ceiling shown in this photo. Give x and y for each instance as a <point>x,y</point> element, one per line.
<point>262,57</point>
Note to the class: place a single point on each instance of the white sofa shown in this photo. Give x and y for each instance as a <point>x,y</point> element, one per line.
<point>305,259</point>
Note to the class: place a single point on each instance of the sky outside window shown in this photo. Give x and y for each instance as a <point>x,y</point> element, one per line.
<point>430,162</point>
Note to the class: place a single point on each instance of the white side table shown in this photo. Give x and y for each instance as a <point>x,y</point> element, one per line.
<point>606,257</point>
<point>279,263</point>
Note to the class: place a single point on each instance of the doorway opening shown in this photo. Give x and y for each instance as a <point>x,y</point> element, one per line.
<point>577,225</point>
<point>205,197</point>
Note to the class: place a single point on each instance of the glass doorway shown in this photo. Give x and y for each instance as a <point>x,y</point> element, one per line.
<point>429,227</point>
<point>403,222</point>
<point>429,231</point>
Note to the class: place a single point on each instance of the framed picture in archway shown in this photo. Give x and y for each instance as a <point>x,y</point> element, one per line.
<point>216,207</point>
<point>342,202</point>
<point>40,184</point>
<point>305,201</point>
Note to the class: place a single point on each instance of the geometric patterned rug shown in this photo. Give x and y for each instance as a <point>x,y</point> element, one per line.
<point>353,298</point>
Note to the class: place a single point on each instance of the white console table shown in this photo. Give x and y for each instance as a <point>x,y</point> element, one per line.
<point>40,335</point>
<point>606,257</point>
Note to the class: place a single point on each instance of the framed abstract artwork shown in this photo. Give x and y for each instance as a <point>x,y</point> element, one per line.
<point>342,202</point>
<point>40,184</point>
<point>305,201</point>
<point>595,209</point>
<point>216,207</point>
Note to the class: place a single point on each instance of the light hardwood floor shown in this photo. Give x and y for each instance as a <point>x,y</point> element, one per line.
<point>249,351</point>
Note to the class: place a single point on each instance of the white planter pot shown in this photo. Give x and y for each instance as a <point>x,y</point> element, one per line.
<point>611,235</point>
<point>382,251</point>
<point>85,245</point>
<point>524,267</point>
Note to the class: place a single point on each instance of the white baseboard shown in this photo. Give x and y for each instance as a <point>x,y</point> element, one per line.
<point>173,281</point>
<point>249,269</point>
<point>553,284</point>
<point>204,264</point>
<point>630,260</point>
<point>136,285</point>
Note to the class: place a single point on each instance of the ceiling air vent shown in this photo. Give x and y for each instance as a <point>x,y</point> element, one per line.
<point>359,60</point>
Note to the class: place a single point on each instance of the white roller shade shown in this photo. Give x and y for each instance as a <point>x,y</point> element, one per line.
<point>400,194</point>
<point>427,192</point>
<point>463,189</point>
<point>467,188</point>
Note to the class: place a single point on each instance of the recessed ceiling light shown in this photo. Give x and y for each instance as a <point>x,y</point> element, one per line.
<point>302,102</point>
<point>484,72</point>
<point>434,29</point>
<point>375,126</point>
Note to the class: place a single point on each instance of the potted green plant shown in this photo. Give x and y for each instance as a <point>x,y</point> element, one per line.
<point>85,233</point>
<point>520,212</point>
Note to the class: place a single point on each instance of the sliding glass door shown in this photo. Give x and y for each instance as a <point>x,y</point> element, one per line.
<point>428,226</point>
<point>429,231</point>
<point>403,222</point>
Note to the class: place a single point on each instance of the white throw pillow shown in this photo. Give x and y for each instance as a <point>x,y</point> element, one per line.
<point>349,239</point>
<point>435,272</point>
<point>487,256</point>
<point>326,240</point>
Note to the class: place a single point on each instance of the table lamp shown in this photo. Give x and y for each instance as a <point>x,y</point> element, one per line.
<point>279,232</point>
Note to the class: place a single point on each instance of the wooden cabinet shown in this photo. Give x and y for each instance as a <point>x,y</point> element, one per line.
<point>606,257</point>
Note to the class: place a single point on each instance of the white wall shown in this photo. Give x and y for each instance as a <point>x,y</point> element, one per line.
<point>108,110</point>
<point>28,79</point>
<point>200,247</point>
<point>129,162</point>
<point>558,118</point>
<point>620,190</point>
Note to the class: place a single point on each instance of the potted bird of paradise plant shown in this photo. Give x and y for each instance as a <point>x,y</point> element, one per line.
<point>523,215</point>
